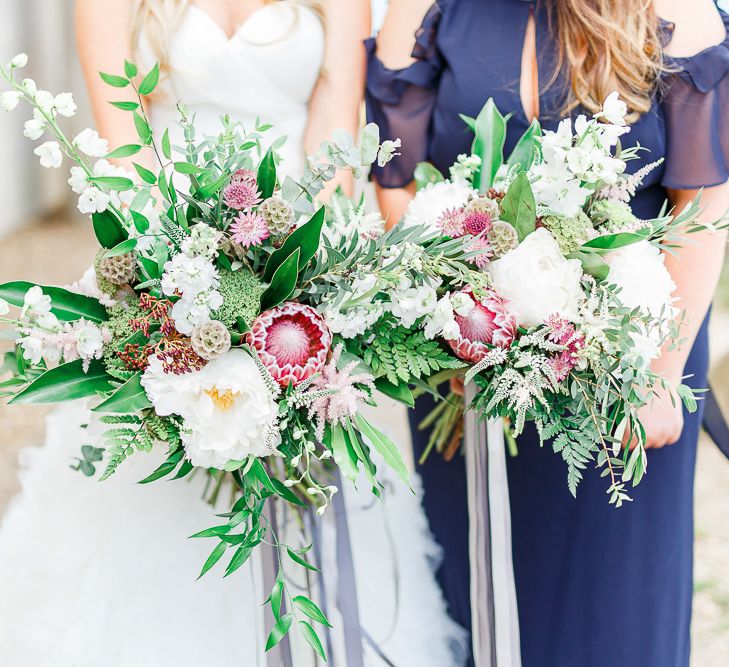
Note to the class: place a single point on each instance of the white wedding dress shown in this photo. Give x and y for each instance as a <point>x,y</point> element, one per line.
<point>102,573</point>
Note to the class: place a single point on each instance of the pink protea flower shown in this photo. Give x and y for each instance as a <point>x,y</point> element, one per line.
<point>488,324</point>
<point>350,388</point>
<point>242,191</point>
<point>485,251</point>
<point>477,222</point>
<point>563,364</point>
<point>249,229</point>
<point>292,341</point>
<point>451,222</point>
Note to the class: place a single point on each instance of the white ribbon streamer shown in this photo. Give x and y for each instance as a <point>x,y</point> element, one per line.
<point>494,617</point>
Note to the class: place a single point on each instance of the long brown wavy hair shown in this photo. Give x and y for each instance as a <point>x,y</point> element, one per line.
<point>607,45</point>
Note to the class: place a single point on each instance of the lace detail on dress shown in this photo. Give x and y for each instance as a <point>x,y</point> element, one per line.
<point>694,103</point>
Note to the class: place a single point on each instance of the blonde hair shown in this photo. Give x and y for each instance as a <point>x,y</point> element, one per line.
<point>607,45</point>
<point>157,20</point>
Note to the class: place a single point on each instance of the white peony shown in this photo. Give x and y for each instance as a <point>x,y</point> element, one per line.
<point>227,409</point>
<point>9,99</point>
<point>89,142</point>
<point>50,155</point>
<point>538,281</point>
<point>433,200</point>
<point>644,281</point>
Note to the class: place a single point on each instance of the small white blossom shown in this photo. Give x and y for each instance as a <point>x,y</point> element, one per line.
<point>9,99</point>
<point>64,104</point>
<point>32,349</point>
<point>93,200</point>
<point>89,142</point>
<point>44,100</point>
<point>388,151</point>
<point>613,110</point>
<point>4,307</point>
<point>34,128</point>
<point>21,60</point>
<point>29,86</point>
<point>35,302</point>
<point>50,154</point>
<point>79,180</point>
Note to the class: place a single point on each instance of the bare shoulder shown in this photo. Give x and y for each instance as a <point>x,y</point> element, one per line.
<point>395,40</point>
<point>698,25</point>
<point>91,13</point>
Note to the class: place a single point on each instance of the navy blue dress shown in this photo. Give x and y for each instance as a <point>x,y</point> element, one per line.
<point>596,586</point>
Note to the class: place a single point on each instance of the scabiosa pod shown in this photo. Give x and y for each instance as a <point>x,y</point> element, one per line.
<point>292,341</point>
<point>487,324</point>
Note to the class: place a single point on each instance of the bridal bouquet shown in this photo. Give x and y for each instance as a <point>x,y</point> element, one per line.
<point>230,319</point>
<point>578,301</point>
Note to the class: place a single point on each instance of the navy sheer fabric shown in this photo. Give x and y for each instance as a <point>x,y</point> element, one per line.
<point>597,587</point>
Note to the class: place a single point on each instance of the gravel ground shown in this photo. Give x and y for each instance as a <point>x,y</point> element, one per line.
<point>57,252</point>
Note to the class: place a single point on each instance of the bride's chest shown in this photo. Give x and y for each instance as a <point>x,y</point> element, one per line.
<point>274,57</point>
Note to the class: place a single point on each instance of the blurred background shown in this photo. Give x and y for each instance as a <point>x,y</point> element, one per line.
<point>44,239</point>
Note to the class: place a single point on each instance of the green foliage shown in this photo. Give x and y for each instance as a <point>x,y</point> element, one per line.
<point>404,355</point>
<point>527,148</point>
<point>66,306</point>
<point>488,144</point>
<point>86,463</point>
<point>66,382</point>
<point>570,233</point>
<point>518,206</point>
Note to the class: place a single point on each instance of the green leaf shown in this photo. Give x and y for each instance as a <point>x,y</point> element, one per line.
<point>526,148</point>
<point>166,147</point>
<point>283,282</point>
<point>128,399</point>
<point>619,240</point>
<point>130,69</point>
<point>208,190</point>
<point>308,608</point>
<point>277,596</point>
<point>592,264</point>
<point>312,638</point>
<point>213,558</point>
<point>488,144</point>
<point>215,531</point>
<point>122,248</point>
<point>142,127</point>
<point>140,222</point>
<point>119,183</point>
<point>125,106</point>
<point>306,238</point>
<point>108,229</point>
<point>114,80</point>
<point>518,206</point>
<point>66,306</point>
<point>145,174</point>
<point>125,151</point>
<point>426,173</point>
<point>165,469</point>
<point>149,83</point>
<point>66,382</point>
<point>400,392</point>
<point>266,176</point>
<point>188,168</point>
<point>301,561</point>
<point>241,555</point>
<point>344,456</point>
<point>279,630</point>
<point>387,448</point>
<point>687,396</point>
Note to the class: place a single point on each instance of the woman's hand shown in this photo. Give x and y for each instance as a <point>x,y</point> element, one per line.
<point>458,385</point>
<point>662,420</point>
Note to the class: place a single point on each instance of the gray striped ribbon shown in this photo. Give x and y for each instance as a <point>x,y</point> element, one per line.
<point>494,618</point>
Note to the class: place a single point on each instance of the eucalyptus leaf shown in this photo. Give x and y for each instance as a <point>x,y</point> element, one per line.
<point>166,147</point>
<point>145,174</point>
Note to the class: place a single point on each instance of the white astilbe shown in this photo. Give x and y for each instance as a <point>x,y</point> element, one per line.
<point>519,391</point>
<point>493,358</point>
<point>624,190</point>
<point>539,339</point>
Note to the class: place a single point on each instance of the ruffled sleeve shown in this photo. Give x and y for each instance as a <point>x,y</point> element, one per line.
<point>401,101</point>
<point>696,108</point>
